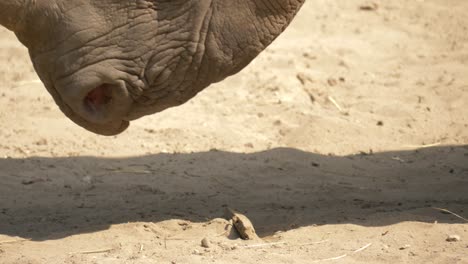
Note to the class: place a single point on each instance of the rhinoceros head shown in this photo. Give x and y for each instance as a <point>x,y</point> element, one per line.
<point>107,62</point>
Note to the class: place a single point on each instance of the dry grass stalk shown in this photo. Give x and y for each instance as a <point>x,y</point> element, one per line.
<point>93,251</point>
<point>450,212</point>
<point>13,241</point>
<point>344,255</point>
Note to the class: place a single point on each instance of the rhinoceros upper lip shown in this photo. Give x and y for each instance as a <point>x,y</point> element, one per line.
<point>106,129</point>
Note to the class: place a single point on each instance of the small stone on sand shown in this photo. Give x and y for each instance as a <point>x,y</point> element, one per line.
<point>453,238</point>
<point>205,243</point>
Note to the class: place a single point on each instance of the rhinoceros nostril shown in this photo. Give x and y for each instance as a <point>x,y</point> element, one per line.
<point>101,103</point>
<point>99,97</point>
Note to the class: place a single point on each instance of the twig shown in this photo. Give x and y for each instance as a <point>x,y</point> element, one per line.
<point>265,244</point>
<point>92,251</point>
<point>344,255</point>
<point>361,249</point>
<point>282,243</point>
<point>328,259</point>
<point>13,241</point>
<point>313,243</point>
<point>398,159</point>
<point>423,146</point>
<point>450,212</point>
<point>335,104</point>
<point>130,171</point>
<point>228,229</point>
<point>22,83</point>
<point>180,239</point>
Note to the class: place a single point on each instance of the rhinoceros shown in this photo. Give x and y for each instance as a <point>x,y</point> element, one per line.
<point>107,62</point>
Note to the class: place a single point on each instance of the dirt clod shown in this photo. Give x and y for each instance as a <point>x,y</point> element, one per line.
<point>242,224</point>
<point>369,7</point>
<point>453,238</point>
<point>205,243</point>
<point>405,247</point>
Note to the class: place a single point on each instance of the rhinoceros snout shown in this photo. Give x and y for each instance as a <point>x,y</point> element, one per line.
<point>101,108</point>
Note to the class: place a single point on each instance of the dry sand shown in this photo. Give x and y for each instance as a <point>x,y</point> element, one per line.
<point>343,135</point>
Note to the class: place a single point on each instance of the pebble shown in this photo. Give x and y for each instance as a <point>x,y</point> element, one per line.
<point>205,243</point>
<point>453,238</point>
<point>405,247</point>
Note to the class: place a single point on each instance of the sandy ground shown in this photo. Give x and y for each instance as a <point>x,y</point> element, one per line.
<point>342,136</point>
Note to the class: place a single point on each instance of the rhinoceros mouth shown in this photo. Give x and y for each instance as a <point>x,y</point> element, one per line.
<point>110,128</point>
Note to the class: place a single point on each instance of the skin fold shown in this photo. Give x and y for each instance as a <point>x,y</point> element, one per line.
<point>107,62</point>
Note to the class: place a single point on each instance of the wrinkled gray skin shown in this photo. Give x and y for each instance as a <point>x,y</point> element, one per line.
<point>107,62</point>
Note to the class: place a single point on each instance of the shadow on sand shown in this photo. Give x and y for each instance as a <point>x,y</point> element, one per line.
<point>278,189</point>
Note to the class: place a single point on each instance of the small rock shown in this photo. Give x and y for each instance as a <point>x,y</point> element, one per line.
<point>278,233</point>
<point>196,252</point>
<point>28,182</point>
<point>453,238</point>
<point>369,7</point>
<point>405,247</point>
<point>87,179</point>
<point>277,123</point>
<point>332,82</point>
<point>41,142</point>
<point>248,145</point>
<point>205,243</point>
<point>224,246</point>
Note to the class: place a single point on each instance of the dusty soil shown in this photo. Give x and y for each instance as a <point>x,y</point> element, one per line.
<point>337,142</point>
